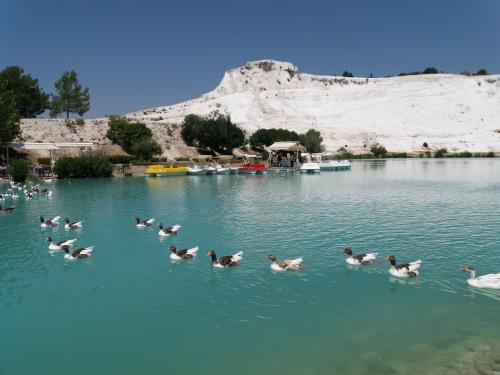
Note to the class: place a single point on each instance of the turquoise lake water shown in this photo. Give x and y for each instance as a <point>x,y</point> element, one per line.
<point>130,310</point>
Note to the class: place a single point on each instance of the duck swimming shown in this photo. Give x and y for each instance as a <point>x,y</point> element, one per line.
<point>6,210</point>
<point>403,270</point>
<point>491,281</point>
<point>81,253</point>
<point>74,225</point>
<point>360,259</point>
<point>169,231</point>
<point>143,223</point>
<point>183,254</point>
<point>49,223</point>
<point>285,265</point>
<point>61,245</point>
<point>226,260</point>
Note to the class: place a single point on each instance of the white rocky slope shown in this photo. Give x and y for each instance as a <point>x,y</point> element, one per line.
<point>444,110</point>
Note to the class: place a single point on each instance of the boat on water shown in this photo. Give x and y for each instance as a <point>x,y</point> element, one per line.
<point>162,171</point>
<point>331,165</point>
<point>234,170</point>
<point>195,170</point>
<point>310,165</point>
<point>253,168</point>
<point>219,169</point>
<point>210,169</point>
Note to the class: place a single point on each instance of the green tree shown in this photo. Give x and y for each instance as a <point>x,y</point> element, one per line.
<point>70,97</point>
<point>145,149</point>
<point>482,72</point>
<point>312,141</point>
<point>29,97</point>
<point>215,132</point>
<point>9,118</point>
<point>347,74</point>
<point>266,137</point>
<point>125,133</point>
<point>19,169</point>
<point>378,150</point>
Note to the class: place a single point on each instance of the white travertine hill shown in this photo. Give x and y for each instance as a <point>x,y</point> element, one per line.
<point>445,110</point>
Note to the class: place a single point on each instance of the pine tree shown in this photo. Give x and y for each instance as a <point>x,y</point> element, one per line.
<point>30,100</point>
<point>70,97</point>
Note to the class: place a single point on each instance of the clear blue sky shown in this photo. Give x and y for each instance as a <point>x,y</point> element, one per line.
<point>141,54</point>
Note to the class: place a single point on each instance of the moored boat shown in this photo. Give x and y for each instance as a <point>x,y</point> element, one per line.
<point>331,165</point>
<point>309,165</point>
<point>219,169</point>
<point>253,168</point>
<point>195,170</point>
<point>162,171</point>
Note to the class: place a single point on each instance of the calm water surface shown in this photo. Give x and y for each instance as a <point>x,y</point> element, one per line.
<point>130,310</point>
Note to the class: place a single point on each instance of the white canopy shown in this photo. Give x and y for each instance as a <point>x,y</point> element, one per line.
<point>34,146</point>
<point>287,146</point>
<point>46,146</point>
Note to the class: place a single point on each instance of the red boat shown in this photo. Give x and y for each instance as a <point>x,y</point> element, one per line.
<point>253,168</point>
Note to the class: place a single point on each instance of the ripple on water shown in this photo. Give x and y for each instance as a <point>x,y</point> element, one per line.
<point>134,299</point>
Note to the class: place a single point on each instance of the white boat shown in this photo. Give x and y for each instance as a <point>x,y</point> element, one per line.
<point>331,165</point>
<point>309,165</point>
<point>219,169</point>
<point>210,170</point>
<point>195,170</point>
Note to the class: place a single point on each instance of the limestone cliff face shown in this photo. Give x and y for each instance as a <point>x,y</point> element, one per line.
<point>444,110</point>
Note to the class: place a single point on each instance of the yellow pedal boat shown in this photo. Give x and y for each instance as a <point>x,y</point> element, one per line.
<point>162,171</point>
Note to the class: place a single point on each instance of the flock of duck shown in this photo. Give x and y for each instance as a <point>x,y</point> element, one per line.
<point>404,270</point>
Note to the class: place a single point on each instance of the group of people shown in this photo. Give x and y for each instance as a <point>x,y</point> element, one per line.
<point>280,159</point>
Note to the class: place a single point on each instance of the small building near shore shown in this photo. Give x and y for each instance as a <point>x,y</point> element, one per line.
<point>285,154</point>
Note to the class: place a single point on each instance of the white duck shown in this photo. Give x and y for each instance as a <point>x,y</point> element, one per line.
<point>360,259</point>
<point>61,245</point>
<point>226,260</point>
<point>183,254</point>
<point>49,223</point>
<point>285,265</point>
<point>143,223</point>
<point>165,232</point>
<point>491,281</point>
<point>74,225</point>
<point>81,253</point>
<point>403,270</point>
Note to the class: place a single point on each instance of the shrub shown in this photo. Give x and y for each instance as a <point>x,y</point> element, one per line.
<point>266,137</point>
<point>399,155</point>
<point>425,144</point>
<point>80,121</point>
<point>430,70</point>
<point>44,161</point>
<point>91,165</point>
<point>378,150</point>
<point>215,132</point>
<point>19,169</point>
<point>120,159</point>
<point>71,125</point>
<point>266,66</point>
<point>482,72</point>
<point>464,154</point>
<point>347,74</point>
<point>145,149</point>
<point>440,153</point>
